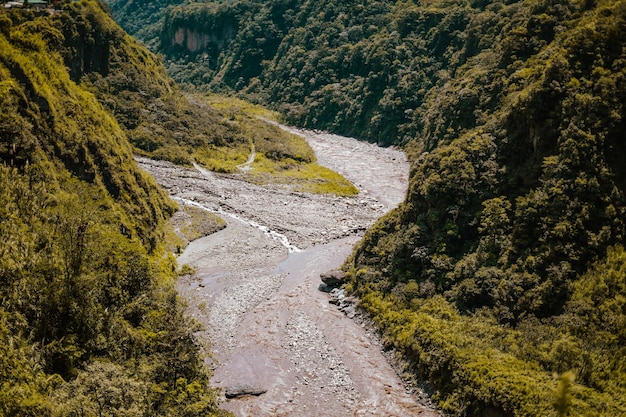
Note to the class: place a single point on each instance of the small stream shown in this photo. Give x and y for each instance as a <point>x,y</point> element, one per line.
<point>221,212</point>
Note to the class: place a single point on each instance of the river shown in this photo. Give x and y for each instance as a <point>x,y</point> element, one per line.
<point>255,290</point>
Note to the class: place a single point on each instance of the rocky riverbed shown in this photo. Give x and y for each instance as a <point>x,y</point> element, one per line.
<point>280,347</point>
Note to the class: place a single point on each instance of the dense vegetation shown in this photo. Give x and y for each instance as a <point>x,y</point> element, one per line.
<point>90,323</point>
<point>161,123</point>
<point>513,227</point>
<point>502,275</point>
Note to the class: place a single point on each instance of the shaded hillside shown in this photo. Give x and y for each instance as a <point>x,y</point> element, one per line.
<point>90,323</point>
<point>501,277</point>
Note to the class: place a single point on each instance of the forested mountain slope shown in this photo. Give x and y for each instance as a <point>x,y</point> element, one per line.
<point>90,323</point>
<point>502,276</point>
<point>505,266</point>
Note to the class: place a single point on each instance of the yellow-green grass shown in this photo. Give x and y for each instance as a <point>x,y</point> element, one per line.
<point>281,157</point>
<point>236,107</point>
<point>191,223</point>
<point>200,223</point>
<point>223,159</point>
<point>303,177</point>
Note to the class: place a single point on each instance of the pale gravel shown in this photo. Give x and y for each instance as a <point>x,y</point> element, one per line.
<point>265,322</point>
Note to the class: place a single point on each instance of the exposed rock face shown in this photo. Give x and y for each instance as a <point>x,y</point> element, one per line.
<point>333,278</point>
<point>195,41</point>
<point>210,37</point>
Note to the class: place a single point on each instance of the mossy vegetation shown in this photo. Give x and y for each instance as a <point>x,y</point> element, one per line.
<point>271,155</point>
<point>309,177</point>
<point>90,322</point>
<point>191,223</point>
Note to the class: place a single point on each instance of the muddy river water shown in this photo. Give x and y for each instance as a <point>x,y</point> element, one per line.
<point>269,329</point>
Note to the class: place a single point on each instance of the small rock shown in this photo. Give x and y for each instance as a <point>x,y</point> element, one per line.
<point>338,293</point>
<point>344,308</point>
<point>350,300</point>
<point>333,278</point>
<point>324,288</point>
<point>242,390</point>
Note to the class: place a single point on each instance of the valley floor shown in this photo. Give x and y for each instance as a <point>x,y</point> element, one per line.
<point>255,289</point>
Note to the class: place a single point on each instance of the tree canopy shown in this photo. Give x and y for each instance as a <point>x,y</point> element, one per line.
<point>90,323</point>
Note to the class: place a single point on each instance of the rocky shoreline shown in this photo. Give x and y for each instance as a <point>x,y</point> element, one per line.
<point>348,305</point>
<point>255,289</point>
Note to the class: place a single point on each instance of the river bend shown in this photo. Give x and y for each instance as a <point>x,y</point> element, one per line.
<point>255,286</point>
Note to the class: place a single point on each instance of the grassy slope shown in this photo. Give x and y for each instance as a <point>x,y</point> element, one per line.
<point>89,319</point>
<point>280,157</point>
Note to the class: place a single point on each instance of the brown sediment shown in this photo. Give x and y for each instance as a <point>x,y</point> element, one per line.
<point>266,323</point>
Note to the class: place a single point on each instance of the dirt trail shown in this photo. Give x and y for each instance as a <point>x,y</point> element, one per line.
<point>255,288</point>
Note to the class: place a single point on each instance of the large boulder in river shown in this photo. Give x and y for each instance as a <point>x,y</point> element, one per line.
<point>333,278</point>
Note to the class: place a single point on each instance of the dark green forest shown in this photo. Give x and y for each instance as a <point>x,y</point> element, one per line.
<point>90,322</point>
<point>502,276</point>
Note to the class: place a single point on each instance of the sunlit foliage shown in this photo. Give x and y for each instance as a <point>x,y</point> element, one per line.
<point>90,323</point>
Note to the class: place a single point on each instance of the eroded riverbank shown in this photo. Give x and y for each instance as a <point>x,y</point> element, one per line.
<point>268,326</point>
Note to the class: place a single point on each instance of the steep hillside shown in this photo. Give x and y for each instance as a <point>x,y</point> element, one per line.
<point>132,84</point>
<point>162,123</point>
<point>502,275</point>
<point>505,265</point>
<point>90,323</point>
